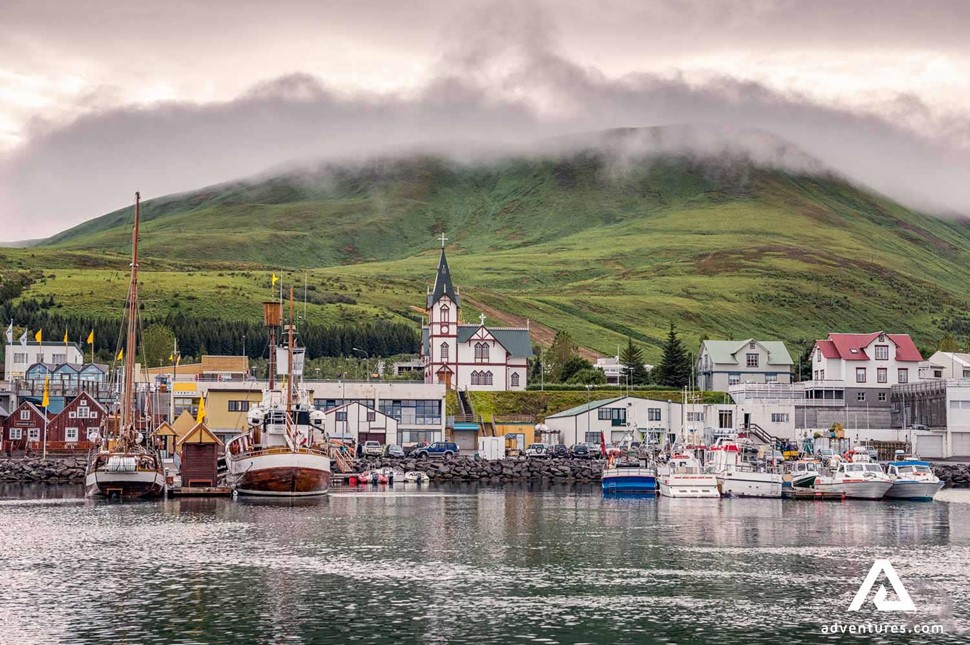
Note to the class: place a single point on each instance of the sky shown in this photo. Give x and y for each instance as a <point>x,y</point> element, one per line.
<point>100,98</point>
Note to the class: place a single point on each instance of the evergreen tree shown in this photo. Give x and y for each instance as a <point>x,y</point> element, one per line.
<point>631,358</point>
<point>674,368</point>
<point>157,344</point>
<point>563,348</point>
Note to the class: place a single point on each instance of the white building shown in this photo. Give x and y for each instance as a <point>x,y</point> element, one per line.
<point>948,365</point>
<point>18,356</point>
<point>722,363</point>
<point>935,415</point>
<point>361,423</point>
<point>470,357</point>
<point>612,369</point>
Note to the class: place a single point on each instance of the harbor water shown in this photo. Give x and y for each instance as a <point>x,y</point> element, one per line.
<point>463,564</point>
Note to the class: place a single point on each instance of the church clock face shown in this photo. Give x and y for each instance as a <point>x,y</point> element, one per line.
<point>444,329</point>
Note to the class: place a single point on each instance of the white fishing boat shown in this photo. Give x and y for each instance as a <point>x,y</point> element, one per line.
<point>914,480</point>
<point>857,477</point>
<point>120,464</point>
<point>683,476</point>
<point>738,479</point>
<point>803,472</point>
<point>285,451</point>
<point>415,477</point>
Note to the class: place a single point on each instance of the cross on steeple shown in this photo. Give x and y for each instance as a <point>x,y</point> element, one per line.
<point>443,239</point>
<point>482,318</point>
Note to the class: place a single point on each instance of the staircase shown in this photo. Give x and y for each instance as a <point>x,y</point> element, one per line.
<point>464,405</point>
<point>759,433</point>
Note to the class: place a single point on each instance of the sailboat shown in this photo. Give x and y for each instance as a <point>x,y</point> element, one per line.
<point>284,453</point>
<point>120,465</point>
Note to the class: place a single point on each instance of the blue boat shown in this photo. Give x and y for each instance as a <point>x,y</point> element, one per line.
<point>629,479</point>
<point>913,480</point>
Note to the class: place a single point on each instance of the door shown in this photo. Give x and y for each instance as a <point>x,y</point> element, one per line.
<point>929,446</point>
<point>960,444</point>
<point>747,419</point>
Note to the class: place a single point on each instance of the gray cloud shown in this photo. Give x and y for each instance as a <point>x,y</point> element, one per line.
<point>503,80</point>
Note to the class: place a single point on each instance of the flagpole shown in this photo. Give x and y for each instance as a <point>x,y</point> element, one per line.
<point>45,432</point>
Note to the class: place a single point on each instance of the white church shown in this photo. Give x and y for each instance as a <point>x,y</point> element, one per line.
<point>470,357</point>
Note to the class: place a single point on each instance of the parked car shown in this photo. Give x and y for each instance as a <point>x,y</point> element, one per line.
<point>538,450</point>
<point>824,454</point>
<point>580,451</point>
<point>873,453</point>
<point>559,450</point>
<point>437,449</point>
<point>595,450</point>
<point>393,450</point>
<point>373,449</point>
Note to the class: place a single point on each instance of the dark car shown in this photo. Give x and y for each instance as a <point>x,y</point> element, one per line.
<point>580,451</point>
<point>558,450</point>
<point>393,450</point>
<point>437,449</point>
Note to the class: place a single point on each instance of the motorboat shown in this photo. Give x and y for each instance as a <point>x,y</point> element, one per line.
<point>416,477</point>
<point>913,479</point>
<point>629,477</point>
<point>683,476</point>
<point>803,472</point>
<point>856,477</point>
<point>738,479</point>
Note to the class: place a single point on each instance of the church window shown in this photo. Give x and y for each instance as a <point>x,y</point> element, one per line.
<point>475,378</point>
<point>444,352</point>
<point>481,352</point>
<point>445,314</point>
<point>488,378</point>
<point>514,379</point>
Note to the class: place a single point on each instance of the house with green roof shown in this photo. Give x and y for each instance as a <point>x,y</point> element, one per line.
<point>723,363</point>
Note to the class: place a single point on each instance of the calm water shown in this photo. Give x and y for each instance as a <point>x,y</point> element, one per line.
<point>461,564</point>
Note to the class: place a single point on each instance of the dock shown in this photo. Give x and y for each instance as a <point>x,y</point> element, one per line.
<point>200,491</point>
<point>812,494</point>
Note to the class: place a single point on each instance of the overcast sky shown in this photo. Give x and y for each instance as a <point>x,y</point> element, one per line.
<point>100,98</point>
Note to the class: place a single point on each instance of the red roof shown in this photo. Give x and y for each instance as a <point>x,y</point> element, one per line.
<point>851,347</point>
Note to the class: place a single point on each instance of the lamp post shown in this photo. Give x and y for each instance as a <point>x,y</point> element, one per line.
<point>366,360</point>
<point>589,387</point>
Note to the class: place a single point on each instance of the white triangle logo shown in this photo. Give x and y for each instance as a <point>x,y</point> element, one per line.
<point>903,602</point>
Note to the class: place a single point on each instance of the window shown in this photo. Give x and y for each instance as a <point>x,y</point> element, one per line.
<point>20,358</point>
<point>860,396</point>
<point>779,417</point>
<point>751,360</point>
<point>734,379</point>
<point>70,434</point>
<point>514,379</point>
<point>882,396</point>
<point>72,414</point>
<point>882,375</point>
<point>59,358</point>
<point>488,378</point>
<point>25,415</point>
<point>751,345</point>
<point>860,375</point>
<point>818,356</point>
<point>371,416</point>
<point>476,378</point>
<point>239,406</point>
<point>444,352</point>
<point>16,434</point>
<point>904,375</point>
<point>725,419</point>
<point>695,416</point>
<point>445,314</point>
<point>882,352</point>
<point>653,414</point>
<point>413,411</point>
<point>821,375</point>
<point>771,378</point>
<point>481,352</point>
<point>966,373</point>
<point>33,434</point>
<point>341,415</point>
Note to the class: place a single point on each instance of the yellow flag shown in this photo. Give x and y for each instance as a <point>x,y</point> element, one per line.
<point>65,337</point>
<point>121,354</point>
<point>171,357</point>
<point>276,279</point>
<point>47,392</point>
<point>201,414</point>
<point>91,338</point>
<point>39,336</point>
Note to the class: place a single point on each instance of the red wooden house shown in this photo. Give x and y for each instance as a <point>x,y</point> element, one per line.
<point>70,428</point>
<point>25,424</point>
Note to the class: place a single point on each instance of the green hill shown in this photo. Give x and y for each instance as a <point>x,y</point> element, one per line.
<point>721,247</point>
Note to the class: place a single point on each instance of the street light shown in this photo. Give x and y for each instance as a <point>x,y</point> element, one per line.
<point>366,360</point>
<point>589,387</point>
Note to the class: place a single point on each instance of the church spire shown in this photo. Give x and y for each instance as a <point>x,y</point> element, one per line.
<point>442,282</point>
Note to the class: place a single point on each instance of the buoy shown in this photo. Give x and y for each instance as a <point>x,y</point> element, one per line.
<point>352,480</point>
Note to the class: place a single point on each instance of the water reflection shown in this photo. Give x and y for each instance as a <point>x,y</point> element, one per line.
<point>461,564</point>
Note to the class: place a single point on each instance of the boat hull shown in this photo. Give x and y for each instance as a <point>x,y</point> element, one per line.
<point>281,475</point>
<point>124,485</point>
<point>748,484</point>
<point>689,486</point>
<point>806,480</point>
<point>629,480</point>
<point>856,489</point>
<point>914,490</point>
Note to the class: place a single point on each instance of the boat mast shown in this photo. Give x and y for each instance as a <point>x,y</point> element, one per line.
<point>127,404</point>
<point>289,367</point>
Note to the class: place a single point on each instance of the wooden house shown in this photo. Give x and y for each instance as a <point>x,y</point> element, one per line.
<point>200,453</point>
<point>70,428</point>
<point>166,438</point>
<point>25,425</point>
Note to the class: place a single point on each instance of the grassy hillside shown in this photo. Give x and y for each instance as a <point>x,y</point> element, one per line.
<point>719,247</point>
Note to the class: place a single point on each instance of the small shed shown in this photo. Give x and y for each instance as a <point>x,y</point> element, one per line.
<point>167,437</point>
<point>184,424</point>
<point>200,454</point>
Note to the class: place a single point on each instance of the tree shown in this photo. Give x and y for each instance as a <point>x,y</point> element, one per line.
<point>157,344</point>
<point>949,344</point>
<point>590,376</point>
<point>631,358</point>
<point>674,368</point>
<point>563,348</point>
<point>572,367</point>
<point>803,370</point>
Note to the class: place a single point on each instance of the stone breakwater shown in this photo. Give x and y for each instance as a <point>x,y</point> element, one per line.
<point>67,470</point>
<point>954,475</point>
<point>467,469</point>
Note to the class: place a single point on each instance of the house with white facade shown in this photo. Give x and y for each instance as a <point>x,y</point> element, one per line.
<point>470,356</point>
<point>361,423</point>
<point>612,369</point>
<point>722,363</point>
<point>948,365</point>
<point>935,415</point>
<point>19,356</point>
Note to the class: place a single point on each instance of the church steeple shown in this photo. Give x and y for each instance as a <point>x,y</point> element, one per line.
<point>442,283</point>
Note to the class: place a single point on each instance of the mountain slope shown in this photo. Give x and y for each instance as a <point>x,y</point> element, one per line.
<point>585,242</point>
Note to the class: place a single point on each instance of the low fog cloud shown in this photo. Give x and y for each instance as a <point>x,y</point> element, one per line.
<point>502,85</point>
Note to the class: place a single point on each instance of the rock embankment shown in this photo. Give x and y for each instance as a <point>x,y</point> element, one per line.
<point>53,470</point>
<point>954,475</point>
<point>467,469</point>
